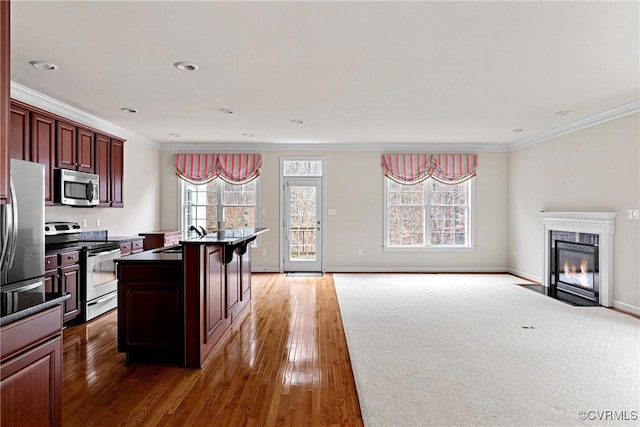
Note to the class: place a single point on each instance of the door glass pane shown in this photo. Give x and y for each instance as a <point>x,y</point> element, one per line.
<point>303,223</point>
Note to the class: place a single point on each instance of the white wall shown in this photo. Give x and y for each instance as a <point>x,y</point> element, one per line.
<point>355,189</point>
<point>141,197</point>
<point>595,169</point>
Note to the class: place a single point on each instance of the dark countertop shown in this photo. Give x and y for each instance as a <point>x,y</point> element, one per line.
<point>52,250</point>
<point>153,255</point>
<point>231,237</point>
<point>28,304</point>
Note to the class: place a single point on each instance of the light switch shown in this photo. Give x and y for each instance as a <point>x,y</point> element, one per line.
<point>332,212</point>
<point>264,211</point>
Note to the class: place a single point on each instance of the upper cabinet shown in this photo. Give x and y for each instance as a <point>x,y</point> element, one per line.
<point>38,136</point>
<point>75,147</point>
<point>85,154</point>
<point>19,133</point>
<point>43,149</point>
<point>110,169</point>
<point>5,87</point>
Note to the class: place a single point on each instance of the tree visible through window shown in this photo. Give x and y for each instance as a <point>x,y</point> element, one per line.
<point>428,213</point>
<point>206,204</point>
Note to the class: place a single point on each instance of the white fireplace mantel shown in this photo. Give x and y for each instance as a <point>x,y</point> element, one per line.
<point>600,223</point>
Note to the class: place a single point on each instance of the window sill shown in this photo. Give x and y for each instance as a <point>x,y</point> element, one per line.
<point>428,248</point>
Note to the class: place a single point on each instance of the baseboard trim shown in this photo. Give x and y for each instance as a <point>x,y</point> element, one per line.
<point>481,270</point>
<point>628,308</point>
<point>524,275</point>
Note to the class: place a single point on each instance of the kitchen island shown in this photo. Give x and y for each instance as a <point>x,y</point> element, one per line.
<point>175,303</point>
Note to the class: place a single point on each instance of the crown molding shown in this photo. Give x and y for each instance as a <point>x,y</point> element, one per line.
<point>595,119</point>
<point>40,100</point>
<point>253,147</point>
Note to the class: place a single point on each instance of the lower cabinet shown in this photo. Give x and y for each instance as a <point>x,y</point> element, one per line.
<point>150,312</point>
<point>31,370</point>
<point>131,247</point>
<point>161,238</point>
<point>62,275</point>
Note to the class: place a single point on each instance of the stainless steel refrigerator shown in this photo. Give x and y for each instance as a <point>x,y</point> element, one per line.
<point>22,229</point>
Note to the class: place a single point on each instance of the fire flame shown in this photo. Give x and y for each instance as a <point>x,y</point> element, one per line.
<point>571,273</point>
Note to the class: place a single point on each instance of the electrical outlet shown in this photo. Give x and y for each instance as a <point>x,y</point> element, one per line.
<point>359,251</point>
<point>97,222</point>
<point>264,252</point>
<point>514,253</point>
<point>264,211</point>
<point>84,222</point>
<point>333,212</point>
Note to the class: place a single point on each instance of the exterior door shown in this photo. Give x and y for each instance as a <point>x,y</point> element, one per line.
<point>303,236</point>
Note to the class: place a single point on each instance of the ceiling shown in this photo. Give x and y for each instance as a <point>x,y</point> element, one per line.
<point>352,72</point>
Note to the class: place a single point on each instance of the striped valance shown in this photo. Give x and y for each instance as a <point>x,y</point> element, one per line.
<point>233,168</point>
<point>415,168</point>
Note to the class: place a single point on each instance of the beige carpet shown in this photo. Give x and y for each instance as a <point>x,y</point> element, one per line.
<point>468,350</point>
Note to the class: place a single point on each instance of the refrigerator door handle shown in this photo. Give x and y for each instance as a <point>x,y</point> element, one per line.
<point>4,234</point>
<point>13,226</point>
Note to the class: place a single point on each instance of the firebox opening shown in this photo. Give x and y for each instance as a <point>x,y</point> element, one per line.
<point>576,268</point>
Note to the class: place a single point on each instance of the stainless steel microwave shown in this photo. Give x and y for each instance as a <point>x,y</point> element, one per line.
<point>76,188</point>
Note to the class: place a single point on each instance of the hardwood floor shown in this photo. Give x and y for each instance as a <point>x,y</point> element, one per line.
<point>285,363</point>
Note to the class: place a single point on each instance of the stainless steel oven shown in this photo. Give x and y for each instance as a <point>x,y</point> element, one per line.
<point>101,284</point>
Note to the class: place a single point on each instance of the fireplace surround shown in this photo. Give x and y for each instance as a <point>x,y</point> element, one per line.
<point>600,224</point>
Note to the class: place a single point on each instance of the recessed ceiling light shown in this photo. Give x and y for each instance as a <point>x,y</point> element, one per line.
<point>186,66</point>
<point>226,110</point>
<point>562,113</point>
<point>297,121</point>
<point>517,130</point>
<point>175,134</point>
<point>248,134</point>
<point>129,110</point>
<point>42,65</point>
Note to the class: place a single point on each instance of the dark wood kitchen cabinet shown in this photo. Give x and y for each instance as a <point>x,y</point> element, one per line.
<point>5,89</point>
<point>180,304</point>
<point>62,275</point>
<point>39,136</point>
<point>43,149</point>
<point>150,307</point>
<point>74,147</point>
<point>110,168</point>
<point>160,238</point>
<point>31,370</point>
<point>19,133</point>
<point>131,247</point>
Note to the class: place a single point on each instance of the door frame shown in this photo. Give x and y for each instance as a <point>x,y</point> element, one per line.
<point>323,210</point>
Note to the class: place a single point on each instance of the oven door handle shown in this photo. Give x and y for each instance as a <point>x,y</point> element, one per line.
<point>101,300</point>
<point>30,287</point>
<point>113,252</point>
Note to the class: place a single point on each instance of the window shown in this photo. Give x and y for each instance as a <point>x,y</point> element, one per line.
<point>428,214</point>
<point>311,167</point>
<point>205,204</point>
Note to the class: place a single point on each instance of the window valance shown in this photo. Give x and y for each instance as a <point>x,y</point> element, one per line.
<point>233,168</point>
<point>415,168</point>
